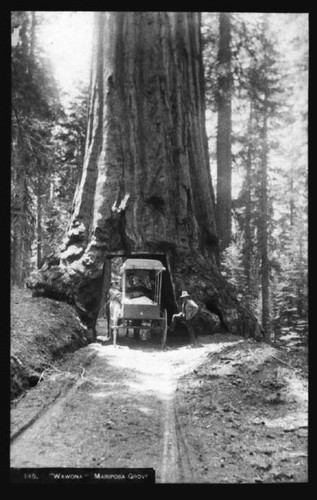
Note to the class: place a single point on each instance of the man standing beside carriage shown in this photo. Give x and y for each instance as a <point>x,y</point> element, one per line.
<point>189,309</point>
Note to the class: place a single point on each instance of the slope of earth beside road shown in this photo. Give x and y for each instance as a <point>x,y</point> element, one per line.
<point>42,331</point>
<point>244,413</point>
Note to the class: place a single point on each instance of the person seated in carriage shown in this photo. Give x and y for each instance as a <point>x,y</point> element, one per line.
<point>140,286</point>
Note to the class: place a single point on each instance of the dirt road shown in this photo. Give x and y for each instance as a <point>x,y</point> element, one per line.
<point>133,406</point>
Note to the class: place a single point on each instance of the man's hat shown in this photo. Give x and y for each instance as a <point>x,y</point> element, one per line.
<point>184,295</point>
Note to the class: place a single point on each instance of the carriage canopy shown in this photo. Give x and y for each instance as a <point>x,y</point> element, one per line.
<point>150,264</point>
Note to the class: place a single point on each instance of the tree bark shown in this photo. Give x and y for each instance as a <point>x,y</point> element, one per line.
<point>223,208</point>
<point>265,270</point>
<point>146,184</point>
<point>291,198</point>
<point>247,258</point>
<point>19,207</point>
<point>39,219</point>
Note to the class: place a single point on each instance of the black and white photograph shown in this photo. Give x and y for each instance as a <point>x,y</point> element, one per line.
<point>159,247</point>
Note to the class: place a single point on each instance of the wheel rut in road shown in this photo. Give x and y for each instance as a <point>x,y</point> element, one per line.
<point>176,466</point>
<point>170,461</point>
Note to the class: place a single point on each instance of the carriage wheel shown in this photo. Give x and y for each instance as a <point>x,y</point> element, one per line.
<point>164,329</point>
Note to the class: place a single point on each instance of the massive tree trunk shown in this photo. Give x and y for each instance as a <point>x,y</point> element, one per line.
<point>223,207</point>
<point>146,184</point>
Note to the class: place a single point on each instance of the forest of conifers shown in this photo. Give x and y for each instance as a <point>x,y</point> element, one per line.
<point>256,87</point>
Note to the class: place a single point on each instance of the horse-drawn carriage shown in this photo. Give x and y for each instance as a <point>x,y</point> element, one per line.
<point>141,312</point>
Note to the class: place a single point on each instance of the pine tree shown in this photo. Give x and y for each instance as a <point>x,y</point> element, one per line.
<point>68,142</point>
<point>266,92</point>
<point>223,206</point>
<point>35,105</point>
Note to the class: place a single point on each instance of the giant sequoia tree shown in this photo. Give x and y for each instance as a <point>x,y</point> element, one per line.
<point>146,184</point>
